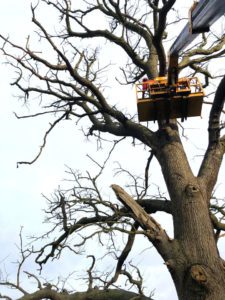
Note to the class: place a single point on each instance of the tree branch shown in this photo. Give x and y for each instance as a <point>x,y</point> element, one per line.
<point>153,230</point>
<point>216,146</point>
<point>111,294</point>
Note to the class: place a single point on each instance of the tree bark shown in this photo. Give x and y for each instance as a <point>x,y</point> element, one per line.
<point>195,265</point>
<point>95,294</point>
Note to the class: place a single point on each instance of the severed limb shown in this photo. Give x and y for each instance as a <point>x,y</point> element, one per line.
<point>152,229</point>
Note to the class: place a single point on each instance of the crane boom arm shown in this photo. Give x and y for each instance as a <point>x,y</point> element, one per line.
<point>204,14</point>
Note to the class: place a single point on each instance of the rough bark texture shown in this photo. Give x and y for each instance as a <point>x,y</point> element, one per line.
<point>195,265</point>
<point>111,294</point>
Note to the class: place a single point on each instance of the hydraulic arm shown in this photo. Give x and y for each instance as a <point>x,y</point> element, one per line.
<point>164,98</point>
<point>202,15</point>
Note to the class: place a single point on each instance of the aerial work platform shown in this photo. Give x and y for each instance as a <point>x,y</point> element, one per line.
<point>170,97</point>
<point>156,100</point>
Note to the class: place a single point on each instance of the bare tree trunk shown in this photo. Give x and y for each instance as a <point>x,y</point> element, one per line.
<point>195,265</point>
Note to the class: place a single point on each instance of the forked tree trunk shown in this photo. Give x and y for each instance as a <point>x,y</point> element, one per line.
<point>197,270</point>
<point>195,265</point>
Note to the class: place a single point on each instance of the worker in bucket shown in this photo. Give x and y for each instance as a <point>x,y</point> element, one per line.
<point>144,86</point>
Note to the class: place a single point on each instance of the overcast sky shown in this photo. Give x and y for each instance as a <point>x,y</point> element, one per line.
<point>21,188</point>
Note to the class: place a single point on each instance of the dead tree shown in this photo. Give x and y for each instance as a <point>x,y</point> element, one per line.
<point>68,77</point>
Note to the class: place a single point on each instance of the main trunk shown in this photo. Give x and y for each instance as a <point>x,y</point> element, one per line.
<point>195,265</point>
